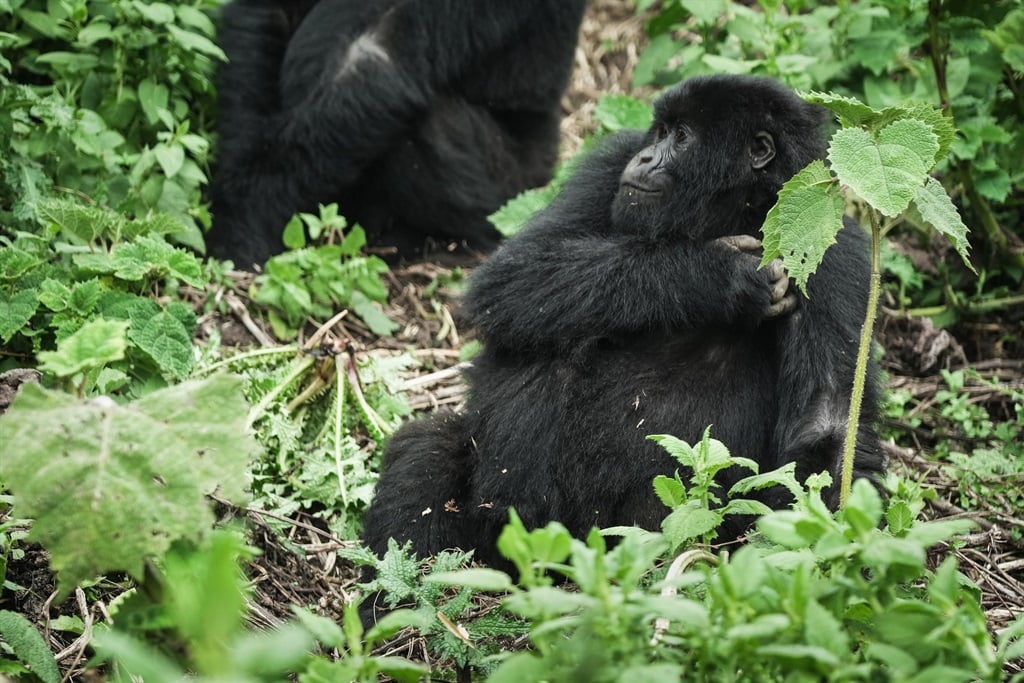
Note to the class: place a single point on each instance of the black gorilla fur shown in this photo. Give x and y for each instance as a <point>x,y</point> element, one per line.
<point>620,312</point>
<point>419,118</point>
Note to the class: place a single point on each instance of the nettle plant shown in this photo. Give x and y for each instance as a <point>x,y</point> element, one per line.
<point>879,159</point>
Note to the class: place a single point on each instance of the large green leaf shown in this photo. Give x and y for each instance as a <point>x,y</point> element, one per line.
<point>109,485</point>
<point>804,222</point>
<point>886,170</point>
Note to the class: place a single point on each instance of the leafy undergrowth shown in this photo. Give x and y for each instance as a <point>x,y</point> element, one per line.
<point>297,563</point>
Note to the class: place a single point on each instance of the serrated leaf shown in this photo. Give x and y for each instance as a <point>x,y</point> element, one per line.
<point>803,223</point>
<point>851,111</point>
<point>941,123</point>
<point>109,485</point>
<point>28,646</point>
<point>95,344</point>
<point>16,310</point>
<point>85,222</point>
<point>687,523</point>
<point>899,517</point>
<point>938,209</point>
<point>669,491</point>
<point>887,170</point>
<point>397,572</point>
<point>166,341</point>
<point>516,212</point>
<point>677,448</point>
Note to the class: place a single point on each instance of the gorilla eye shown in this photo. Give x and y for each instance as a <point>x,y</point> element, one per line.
<point>661,132</point>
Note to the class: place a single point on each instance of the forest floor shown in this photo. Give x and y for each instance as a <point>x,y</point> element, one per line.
<point>302,567</point>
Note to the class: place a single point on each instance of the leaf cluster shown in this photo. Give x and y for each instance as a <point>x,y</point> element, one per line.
<point>321,418</point>
<point>315,282</point>
<point>821,597</point>
<point>883,156</point>
<point>106,99</point>
<point>77,292</point>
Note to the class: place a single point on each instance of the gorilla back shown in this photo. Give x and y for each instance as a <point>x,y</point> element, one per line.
<point>419,118</point>
<point>633,305</point>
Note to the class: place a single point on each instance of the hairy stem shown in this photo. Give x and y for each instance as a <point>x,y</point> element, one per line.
<point>863,353</point>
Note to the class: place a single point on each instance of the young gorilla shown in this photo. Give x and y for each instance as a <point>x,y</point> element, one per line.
<point>420,118</point>
<point>632,306</point>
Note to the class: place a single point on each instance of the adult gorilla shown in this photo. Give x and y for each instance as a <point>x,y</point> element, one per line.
<point>418,117</point>
<point>634,306</point>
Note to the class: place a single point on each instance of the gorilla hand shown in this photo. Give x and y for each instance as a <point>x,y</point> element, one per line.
<point>783,301</point>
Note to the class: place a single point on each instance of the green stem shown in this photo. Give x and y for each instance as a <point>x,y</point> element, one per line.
<point>863,353</point>
<point>973,307</point>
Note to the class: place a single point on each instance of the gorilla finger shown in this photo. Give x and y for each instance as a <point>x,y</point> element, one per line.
<point>787,304</point>
<point>741,242</point>
<point>776,271</point>
<point>780,288</point>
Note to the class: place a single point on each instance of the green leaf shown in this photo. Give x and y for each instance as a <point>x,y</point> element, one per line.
<point>479,579</point>
<point>677,448</point>
<point>135,657</point>
<point>851,111</point>
<point>516,212</point>
<point>152,97</point>
<point>16,310</point>
<point>928,534</point>
<point>95,344</point>
<point>171,157</point>
<point>294,236</point>
<point>800,657</point>
<point>899,517</point>
<point>803,223</point>
<point>194,41</point>
<point>616,112</point>
<point>379,324</point>
<point>109,485</point>
<point>763,627</point>
<point>166,340</point>
<point>687,523</point>
<point>706,12</point>
<point>670,491</point>
<point>884,551</point>
<point>401,669</point>
<point>937,208</point>
<point>393,622</point>
<point>888,169</point>
<point>28,646</point>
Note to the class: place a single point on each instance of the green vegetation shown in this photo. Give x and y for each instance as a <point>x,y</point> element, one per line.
<point>149,441</point>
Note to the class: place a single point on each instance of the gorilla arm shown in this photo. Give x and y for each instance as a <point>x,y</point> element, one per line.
<point>556,287</point>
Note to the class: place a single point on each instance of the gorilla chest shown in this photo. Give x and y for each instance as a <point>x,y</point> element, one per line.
<point>664,385</point>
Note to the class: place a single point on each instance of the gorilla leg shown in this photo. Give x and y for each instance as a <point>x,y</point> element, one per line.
<point>422,495</point>
<point>459,167</point>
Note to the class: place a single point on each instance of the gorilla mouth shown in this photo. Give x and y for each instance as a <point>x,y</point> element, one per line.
<point>633,189</point>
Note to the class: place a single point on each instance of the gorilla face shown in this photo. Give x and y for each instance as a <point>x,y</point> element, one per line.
<point>714,159</point>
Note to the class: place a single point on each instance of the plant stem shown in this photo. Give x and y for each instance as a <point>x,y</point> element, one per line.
<point>863,353</point>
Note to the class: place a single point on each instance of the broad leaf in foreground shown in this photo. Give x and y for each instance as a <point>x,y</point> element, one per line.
<point>109,485</point>
<point>804,223</point>
<point>887,170</point>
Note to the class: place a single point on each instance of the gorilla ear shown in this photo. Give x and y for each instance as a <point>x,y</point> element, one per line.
<point>762,150</point>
